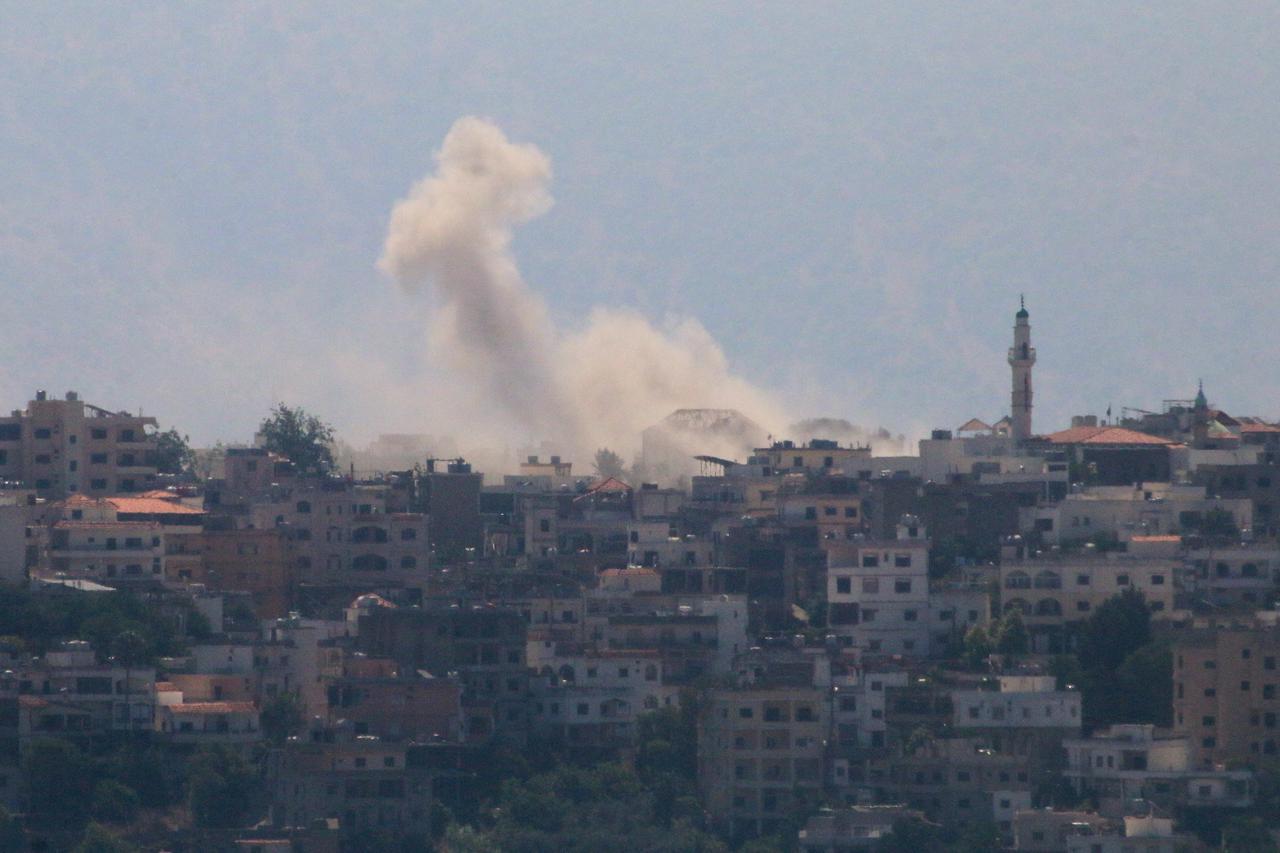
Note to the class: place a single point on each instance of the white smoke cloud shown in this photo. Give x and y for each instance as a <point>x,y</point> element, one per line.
<point>592,387</point>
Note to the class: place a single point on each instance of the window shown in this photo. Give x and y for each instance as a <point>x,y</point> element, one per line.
<point>902,585</point>
<point>1244,685</point>
<point>1122,580</point>
<point>303,506</point>
<point>909,616</point>
<point>844,585</point>
<point>1157,580</point>
<point>810,513</point>
<point>43,432</point>
<point>1208,721</point>
<point>902,561</point>
<point>869,615</point>
<point>746,713</point>
<point>408,534</point>
<point>1082,606</point>
<point>1082,580</point>
<point>870,561</point>
<point>584,708</point>
<point>544,525</point>
<point>851,512</point>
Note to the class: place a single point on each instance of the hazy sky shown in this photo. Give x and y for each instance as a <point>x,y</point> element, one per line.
<point>849,197</point>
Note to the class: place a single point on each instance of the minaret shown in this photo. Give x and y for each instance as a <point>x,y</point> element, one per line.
<point>1021,356</point>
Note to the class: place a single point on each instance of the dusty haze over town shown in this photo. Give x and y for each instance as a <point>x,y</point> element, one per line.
<point>827,214</point>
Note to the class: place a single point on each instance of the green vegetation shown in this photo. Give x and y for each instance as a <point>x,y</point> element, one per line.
<point>173,453</point>
<point>300,436</point>
<point>116,623</point>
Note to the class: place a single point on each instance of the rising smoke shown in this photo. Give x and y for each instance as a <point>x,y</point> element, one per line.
<point>592,387</point>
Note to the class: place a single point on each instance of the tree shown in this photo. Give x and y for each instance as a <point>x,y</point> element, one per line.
<point>609,464</point>
<point>1012,637</point>
<point>98,840</point>
<point>1145,681</point>
<point>221,788</point>
<point>282,717</point>
<point>1241,834</point>
<point>300,436</point>
<point>1120,626</point>
<point>173,453</point>
<point>12,838</point>
<point>114,803</point>
<point>977,646</point>
<point>59,782</point>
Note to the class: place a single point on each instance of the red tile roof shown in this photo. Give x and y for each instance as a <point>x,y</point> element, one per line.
<point>1259,427</point>
<point>152,506</point>
<point>1106,435</point>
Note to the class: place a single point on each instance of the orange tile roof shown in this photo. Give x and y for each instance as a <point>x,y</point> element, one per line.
<point>609,484</point>
<point>1165,538</point>
<point>1106,435</point>
<point>213,708</point>
<point>1259,427</point>
<point>152,506</point>
<point>974,425</point>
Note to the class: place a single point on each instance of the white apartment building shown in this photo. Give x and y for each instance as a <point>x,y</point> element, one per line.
<point>878,592</point>
<point>1148,509</point>
<point>1023,701</point>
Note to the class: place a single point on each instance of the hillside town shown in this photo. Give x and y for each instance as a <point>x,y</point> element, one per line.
<point>1007,636</point>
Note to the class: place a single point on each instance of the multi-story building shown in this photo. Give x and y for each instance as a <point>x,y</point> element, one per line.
<point>1028,716</point>
<point>65,447</point>
<point>1240,575</point>
<point>1053,590</point>
<point>1145,509</point>
<point>368,784</point>
<point>345,536</point>
<point>485,646</point>
<point>262,563</point>
<point>592,698</point>
<point>1226,692</point>
<point>761,754</point>
<point>1131,762</point>
<point>89,541</point>
<point>878,592</point>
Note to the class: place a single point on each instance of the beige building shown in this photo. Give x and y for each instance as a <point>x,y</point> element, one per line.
<point>65,447</point>
<point>344,534</point>
<point>1052,590</point>
<point>760,754</point>
<point>1226,692</point>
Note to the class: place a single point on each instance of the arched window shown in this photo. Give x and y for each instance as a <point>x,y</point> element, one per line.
<point>1048,607</point>
<point>1017,580</point>
<point>369,533</point>
<point>1048,580</point>
<point>369,563</point>
<point>1019,604</point>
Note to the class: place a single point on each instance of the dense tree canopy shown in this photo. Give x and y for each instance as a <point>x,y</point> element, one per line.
<point>173,453</point>
<point>299,435</point>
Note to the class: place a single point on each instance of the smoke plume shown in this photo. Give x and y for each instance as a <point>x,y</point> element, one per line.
<point>591,387</point>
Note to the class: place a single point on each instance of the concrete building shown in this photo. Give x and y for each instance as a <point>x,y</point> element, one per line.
<point>365,783</point>
<point>1122,512</point>
<point>346,535</point>
<point>263,563</point>
<point>485,646</point>
<point>451,498</point>
<point>760,754</point>
<point>1240,575</point>
<point>1052,590</point>
<point>65,447</point>
<point>87,540</point>
<point>1226,692</point>
<point>878,592</point>
<point>1131,762</point>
